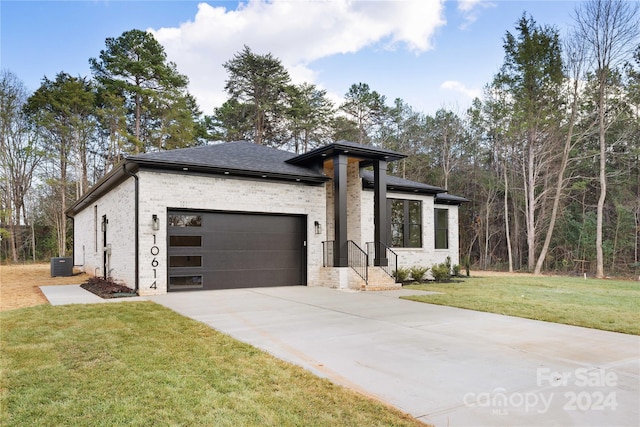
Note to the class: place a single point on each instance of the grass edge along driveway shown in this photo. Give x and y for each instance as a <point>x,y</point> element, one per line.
<point>610,305</point>
<point>138,363</point>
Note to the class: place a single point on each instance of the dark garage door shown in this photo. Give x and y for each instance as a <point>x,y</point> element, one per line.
<point>223,250</point>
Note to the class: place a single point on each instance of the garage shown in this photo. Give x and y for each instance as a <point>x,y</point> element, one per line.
<point>227,250</point>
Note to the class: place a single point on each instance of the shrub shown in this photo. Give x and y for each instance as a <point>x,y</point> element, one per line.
<point>441,272</point>
<point>402,274</point>
<point>467,265</point>
<point>418,272</point>
<point>455,270</point>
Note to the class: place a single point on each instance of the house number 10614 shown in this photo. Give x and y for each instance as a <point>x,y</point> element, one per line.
<point>154,262</point>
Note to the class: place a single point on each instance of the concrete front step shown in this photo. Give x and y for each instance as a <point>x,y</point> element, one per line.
<point>382,287</point>
<point>379,280</point>
<point>347,278</point>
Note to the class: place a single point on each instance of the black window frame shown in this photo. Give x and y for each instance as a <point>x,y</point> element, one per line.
<point>439,229</point>
<point>408,223</point>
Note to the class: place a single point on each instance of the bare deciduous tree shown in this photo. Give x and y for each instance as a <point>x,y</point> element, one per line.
<point>609,29</point>
<point>574,60</point>
<point>18,155</point>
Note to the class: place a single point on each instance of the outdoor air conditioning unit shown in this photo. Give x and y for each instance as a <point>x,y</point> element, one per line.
<point>61,266</point>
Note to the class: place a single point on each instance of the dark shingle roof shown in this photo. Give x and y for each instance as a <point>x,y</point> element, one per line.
<point>400,184</point>
<point>239,158</point>
<point>247,159</point>
<point>404,185</point>
<point>449,199</point>
<point>367,153</point>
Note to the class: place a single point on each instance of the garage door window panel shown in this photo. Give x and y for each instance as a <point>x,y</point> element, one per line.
<point>185,282</point>
<point>185,261</point>
<point>180,220</point>
<point>185,241</point>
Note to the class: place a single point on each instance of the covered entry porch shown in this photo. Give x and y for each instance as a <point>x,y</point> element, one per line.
<point>350,247</point>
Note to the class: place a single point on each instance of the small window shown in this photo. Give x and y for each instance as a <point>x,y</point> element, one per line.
<point>95,227</point>
<point>185,282</point>
<point>185,220</point>
<point>442,228</point>
<point>193,241</point>
<point>406,223</point>
<point>185,261</point>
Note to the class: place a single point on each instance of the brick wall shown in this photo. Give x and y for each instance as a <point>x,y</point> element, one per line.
<point>354,208</point>
<point>119,207</point>
<point>427,255</point>
<point>160,191</point>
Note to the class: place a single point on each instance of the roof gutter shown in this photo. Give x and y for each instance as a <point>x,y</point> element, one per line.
<point>181,167</point>
<point>100,188</point>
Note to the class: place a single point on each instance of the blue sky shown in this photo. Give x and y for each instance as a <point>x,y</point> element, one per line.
<point>431,54</point>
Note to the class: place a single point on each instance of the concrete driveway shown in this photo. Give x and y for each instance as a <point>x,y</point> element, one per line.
<point>443,365</point>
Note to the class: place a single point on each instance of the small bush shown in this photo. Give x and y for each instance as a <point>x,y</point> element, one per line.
<point>441,272</point>
<point>456,270</point>
<point>418,272</point>
<point>402,274</point>
<point>467,265</point>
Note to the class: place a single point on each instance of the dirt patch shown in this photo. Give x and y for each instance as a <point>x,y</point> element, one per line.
<point>19,284</point>
<point>106,288</point>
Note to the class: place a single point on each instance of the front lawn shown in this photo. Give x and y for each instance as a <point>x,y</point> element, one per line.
<point>611,305</point>
<point>140,364</point>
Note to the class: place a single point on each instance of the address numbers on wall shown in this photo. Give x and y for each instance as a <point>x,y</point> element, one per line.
<point>155,250</point>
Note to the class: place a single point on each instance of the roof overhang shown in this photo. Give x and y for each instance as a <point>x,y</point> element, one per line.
<point>114,178</point>
<point>449,199</point>
<point>228,171</point>
<point>365,153</point>
<point>129,166</point>
<point>400,185</point>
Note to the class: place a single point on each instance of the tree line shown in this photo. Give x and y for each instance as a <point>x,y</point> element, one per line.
<point>549,155</point>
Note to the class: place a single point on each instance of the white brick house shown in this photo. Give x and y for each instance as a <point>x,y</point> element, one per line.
<point>243,215</point>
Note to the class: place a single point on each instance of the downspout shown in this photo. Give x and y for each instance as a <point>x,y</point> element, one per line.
<point>136,238</point>
<point>73,246</point>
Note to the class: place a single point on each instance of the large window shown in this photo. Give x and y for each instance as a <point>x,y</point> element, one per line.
<point>442,228</point>
<point>406,223</point>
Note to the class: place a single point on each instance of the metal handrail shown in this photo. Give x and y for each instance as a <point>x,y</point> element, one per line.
<point>371,251</point>
<point>391,268</point>
<point>392,265</point>
<point>358,260</point>
<point>328,248</point>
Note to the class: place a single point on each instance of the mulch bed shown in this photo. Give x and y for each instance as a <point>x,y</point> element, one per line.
<point>107,288</point>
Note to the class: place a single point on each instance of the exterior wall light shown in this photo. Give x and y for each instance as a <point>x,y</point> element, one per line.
<point>317,226</point>
<point>155,222</point>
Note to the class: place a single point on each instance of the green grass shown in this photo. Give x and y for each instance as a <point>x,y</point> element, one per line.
<point>610,305</point>
<point>140,364</point>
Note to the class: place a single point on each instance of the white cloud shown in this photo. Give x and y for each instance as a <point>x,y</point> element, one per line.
<point>296,32</point>
<point>470,10</point>
<point>461,88</point>
<point>467,5</point>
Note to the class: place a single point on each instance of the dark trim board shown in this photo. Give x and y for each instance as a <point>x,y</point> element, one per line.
<point>236,250</point>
